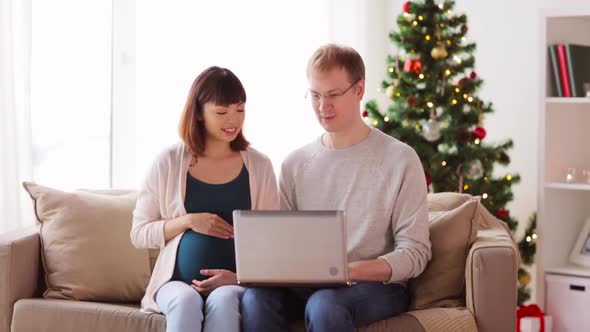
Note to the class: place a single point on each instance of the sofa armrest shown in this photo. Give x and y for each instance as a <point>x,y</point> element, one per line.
<point>491,275</point>
<point>19,270</point>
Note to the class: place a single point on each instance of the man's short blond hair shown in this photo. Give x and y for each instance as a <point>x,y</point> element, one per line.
<point>332,56</point>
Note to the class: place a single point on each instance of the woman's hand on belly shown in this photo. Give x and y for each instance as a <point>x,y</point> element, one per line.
<point>210,224</point>
<point>216,279</point>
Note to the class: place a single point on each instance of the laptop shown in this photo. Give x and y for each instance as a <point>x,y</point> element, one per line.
<point>291,248</point>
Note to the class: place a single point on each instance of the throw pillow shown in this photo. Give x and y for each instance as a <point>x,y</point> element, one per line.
<point>86,251</point>
<point>452,232</point>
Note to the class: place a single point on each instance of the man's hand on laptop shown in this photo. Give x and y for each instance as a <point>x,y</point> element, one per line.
<point>216,278</point>
<point>210,224</point>
<point>371,270</point>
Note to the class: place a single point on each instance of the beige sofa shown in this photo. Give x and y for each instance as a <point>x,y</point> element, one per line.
<point>489,292</point>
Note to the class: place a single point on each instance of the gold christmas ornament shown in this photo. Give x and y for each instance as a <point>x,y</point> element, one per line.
<point>439,52</point>
<point>524,279</point>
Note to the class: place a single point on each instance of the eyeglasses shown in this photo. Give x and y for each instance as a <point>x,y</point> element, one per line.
<point>317,98</point>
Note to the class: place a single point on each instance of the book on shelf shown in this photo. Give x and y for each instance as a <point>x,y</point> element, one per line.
<point>578,61</point>
<point>570,68</point>
<point>556,81</point>
<point>565,78</point>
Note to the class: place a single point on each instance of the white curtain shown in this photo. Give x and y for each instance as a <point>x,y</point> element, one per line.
<point>15,133</point>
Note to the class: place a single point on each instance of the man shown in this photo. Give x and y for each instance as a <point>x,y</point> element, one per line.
<point>379,182</point>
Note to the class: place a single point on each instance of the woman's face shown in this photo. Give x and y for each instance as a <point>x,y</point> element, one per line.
<point>223,123</point>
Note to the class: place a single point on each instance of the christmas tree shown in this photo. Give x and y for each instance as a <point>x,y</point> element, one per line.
<point>435,109</point>
<point>527,247</point>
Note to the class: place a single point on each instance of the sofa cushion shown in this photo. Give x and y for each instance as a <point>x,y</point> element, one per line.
<point>453,229</point>
<point>446,319</point>
<point>62,315</point>
<point>48,315</point>
<point>401,323</point>
<point>85,246</point>
<point>446,201</point>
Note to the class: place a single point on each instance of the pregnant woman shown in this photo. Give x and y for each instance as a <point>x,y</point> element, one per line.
<point>185,207</point>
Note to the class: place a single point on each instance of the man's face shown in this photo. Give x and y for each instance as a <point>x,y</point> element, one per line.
<point>335,99</point>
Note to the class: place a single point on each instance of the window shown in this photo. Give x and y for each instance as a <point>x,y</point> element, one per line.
<point>139,58</point>
<point>71,93</point>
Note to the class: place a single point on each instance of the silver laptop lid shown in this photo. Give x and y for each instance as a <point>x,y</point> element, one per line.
<point>290,247</point>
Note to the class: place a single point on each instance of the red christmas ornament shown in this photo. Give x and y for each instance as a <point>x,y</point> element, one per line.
<point>479,132</point>
<point>406,7</point>
<point>428,179</point>
<point>412,101</point>
<point>413,66</point>
<point>465,28</point>
<point>463,81</point>
<point>365,114</point>
<point>502,214</point>
<point>473,75</point>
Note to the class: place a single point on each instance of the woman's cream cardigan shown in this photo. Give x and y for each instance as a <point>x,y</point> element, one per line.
<point>161,198</point>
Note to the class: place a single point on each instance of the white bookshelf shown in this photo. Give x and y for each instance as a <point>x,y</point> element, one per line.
<point>567,186</point>
<point>560,100</point>
<point>570,270</point>
<point>564,142</point>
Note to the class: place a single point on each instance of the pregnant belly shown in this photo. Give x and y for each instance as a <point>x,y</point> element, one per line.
<point>198,251</point>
